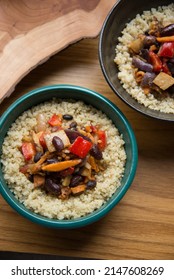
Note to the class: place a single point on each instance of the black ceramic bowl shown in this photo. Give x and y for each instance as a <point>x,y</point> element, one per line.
<point>123,12</point>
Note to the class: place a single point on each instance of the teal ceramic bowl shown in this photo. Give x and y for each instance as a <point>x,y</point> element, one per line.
<point>100,102</point>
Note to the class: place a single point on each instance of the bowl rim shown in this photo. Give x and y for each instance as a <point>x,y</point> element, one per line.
<point>103,210</point>
<point>151,113</point>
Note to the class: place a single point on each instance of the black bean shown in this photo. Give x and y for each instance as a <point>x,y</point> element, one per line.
<point>144,53</point>
<point>91,184</point>
<point>149,40</point>
<point>168,30</point>
<point>52,160</point>
<point>52,187</point>
<point>147,79</point>
<point>72,135</point>
<point>58,143</point>
<point>67,117</point>
<point>37,156</point>
<point>73,124</point>
<point>95,152</point>
<point>142,65</point>
<point>76,180</point>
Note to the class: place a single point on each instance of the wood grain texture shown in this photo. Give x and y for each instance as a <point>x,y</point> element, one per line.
<point>32,31</point>
<point>141,226</point>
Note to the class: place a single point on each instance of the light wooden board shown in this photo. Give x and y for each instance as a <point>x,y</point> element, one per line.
<point>32,31</point>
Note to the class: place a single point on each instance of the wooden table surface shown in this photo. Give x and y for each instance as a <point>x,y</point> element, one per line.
<point>141,226</point>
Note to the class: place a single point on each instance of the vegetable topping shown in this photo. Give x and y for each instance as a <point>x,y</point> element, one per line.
<point>153,59</point>
<point>61,157</point>
<point>80,147</point>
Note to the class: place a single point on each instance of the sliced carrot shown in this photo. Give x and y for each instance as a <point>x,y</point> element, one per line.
<point>165,39</point>
<point>59,166</point>
<point>78,189</point>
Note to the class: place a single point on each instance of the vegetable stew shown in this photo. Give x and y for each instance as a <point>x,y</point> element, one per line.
<point>61,157</point>
<point>153,59</point>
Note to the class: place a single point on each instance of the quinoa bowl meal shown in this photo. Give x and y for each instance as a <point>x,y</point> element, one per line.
<point>136,52</point>
<point>68,155</point>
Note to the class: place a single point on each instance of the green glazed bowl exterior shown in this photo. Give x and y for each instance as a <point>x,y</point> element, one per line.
<point>100,102</point>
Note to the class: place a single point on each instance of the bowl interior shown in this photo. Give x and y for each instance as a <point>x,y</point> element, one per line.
<point>66,92</point>
<point>123,12</point>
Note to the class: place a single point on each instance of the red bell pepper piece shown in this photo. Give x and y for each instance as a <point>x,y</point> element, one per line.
<point>166,50</point>
<point>55,120</point>
<point>155,61</point>
<point>80,147</point>
<point>28,150</point>
<point>102,141</point>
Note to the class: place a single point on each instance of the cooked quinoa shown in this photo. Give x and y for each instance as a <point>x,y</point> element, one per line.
<point>36,199</point>
<point>165,14</point>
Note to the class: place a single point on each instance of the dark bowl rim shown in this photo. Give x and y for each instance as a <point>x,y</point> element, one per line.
<point>151,113</point>
<point>101,212</point>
